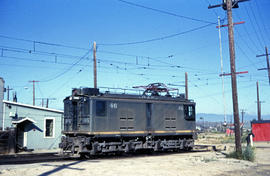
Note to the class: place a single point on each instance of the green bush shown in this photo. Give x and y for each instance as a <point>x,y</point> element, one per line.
<point>247,154</point>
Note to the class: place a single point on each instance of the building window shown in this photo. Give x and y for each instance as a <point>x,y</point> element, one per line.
<point>49,128</point>
<point>189,111</point>
<point>100,108</point>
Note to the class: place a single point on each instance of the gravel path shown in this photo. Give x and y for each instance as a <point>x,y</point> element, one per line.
<point>170,164</point>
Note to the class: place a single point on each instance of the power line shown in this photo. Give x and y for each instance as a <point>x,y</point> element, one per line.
<point>166,12</point>
<point>253,26</point>
<point>248,34</point>
<point>36,52</point>
<point>36,60</point>
<point>26,51</point>
<point>259,12</point>
<point>250,60</point>
<point>41,42</point>
<point>68,69</point>
<point>258,26</point>
<point>155,39</point>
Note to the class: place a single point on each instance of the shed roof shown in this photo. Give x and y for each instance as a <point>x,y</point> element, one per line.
<point>33,107</point>
<point>260,121</point>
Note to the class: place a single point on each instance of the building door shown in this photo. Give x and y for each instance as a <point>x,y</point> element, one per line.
<point>21,135</point>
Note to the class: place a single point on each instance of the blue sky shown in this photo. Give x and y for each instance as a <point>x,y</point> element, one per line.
<point>79,23</point>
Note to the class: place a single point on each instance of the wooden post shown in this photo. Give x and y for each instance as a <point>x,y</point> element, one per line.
<point>11,141</point>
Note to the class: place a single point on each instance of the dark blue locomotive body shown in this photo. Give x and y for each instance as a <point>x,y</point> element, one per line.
<point>96,123</point>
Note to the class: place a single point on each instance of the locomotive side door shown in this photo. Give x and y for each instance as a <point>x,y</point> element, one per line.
<point>148,116</point>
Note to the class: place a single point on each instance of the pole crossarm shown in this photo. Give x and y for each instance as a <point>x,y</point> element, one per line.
<point>226,25</point>
<point>228,74</point>
<point>262,55</point>
<point>224,5</point>
<point>267,62</point>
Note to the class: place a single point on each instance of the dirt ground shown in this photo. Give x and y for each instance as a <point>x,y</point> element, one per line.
<point>169,164</point>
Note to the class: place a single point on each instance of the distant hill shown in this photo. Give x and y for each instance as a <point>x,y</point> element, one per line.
<point>220,117</point>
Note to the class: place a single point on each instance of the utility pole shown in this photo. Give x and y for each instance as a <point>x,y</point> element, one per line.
<point>227,5</point>
<point>221,67</point>
<point>8,89</point>
<point>267,63</point>
<point>33,91</point>
<point>186,84</point>
<point>242,113</point>
<point>258,102</point>
<point>233,79</point>
<point>95,64</point>
<point>47,101</point>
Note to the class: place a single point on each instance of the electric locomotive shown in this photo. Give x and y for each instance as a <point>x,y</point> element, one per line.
<point>97,123</point>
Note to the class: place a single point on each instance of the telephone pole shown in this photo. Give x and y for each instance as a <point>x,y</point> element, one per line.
<point>8,89</point>
<point>47,101</point>
<point>221,68</point>
<point>242,113</point>
<point>228,5</point>
<point>258,102</point>
<point>233,79</point>
<point>267,63</point>
<point>34,81</point>
<point>186,84</point>
<point>95,64</point>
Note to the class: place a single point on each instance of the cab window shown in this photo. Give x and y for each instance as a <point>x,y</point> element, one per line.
<point>189,112</point>
<point>100,108</point>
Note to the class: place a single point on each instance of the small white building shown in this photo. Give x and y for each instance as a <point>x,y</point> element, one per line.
<point>36,127</point>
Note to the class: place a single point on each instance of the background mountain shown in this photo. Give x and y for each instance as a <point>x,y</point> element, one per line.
<point>220,117</point>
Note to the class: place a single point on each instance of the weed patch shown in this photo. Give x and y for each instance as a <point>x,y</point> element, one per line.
<point>247,154</point>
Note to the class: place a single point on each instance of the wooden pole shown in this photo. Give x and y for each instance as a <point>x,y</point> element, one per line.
<point>95,64</point>
<point>34,91</point>
<point>267,61</point>
<point>258,102</point>
<point>186,84</point>
<point>233,79</point>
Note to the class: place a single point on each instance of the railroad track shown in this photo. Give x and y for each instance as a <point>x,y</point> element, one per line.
<point>54,157</point>
<point>30,158</point>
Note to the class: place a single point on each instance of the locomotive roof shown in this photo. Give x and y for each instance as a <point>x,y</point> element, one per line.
<point>94,93</point>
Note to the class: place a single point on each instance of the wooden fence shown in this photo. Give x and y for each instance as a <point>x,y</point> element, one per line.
<point>8,141</point>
